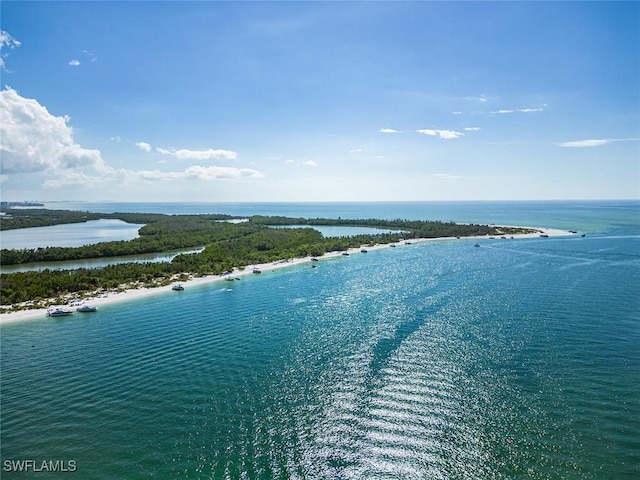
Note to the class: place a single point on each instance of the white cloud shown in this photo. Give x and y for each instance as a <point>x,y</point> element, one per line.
<point>444,134</point>
<point>70,178</point>
<point>144,146</point>
<point>481,99</point>
<point>586,143</point>
<point>198,172</point>
<point>595,142</point>
<point>519,110</point>
<point>157,175</point>
<point>472,129</point>
<point>205,154</point>
<point>92,56</point>
<point>356,150</point>
<point>185,154</point>
<point>445,176</point>
<point>33,140</point>
<point>8,41</point>
<point>389,130</point>
<point>214,172</point>
<point>298,163</point>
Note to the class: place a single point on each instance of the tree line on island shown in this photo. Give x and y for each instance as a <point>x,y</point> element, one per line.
<point>227,245</point>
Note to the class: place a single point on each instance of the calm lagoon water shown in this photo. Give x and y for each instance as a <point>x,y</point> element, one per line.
<point>342,231</point>
<point>96,262</point>
<point>515,360</point>
<point>70,234</point>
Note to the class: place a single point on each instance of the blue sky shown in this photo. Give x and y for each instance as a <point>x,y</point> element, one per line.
<point>319,101</point>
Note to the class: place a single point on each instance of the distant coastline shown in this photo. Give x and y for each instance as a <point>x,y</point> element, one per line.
<point>21,204</point>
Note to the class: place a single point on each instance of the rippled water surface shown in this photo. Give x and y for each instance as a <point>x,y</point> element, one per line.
<point>518,359</point>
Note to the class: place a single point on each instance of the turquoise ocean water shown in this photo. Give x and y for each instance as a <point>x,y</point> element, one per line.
<point>519,359</point>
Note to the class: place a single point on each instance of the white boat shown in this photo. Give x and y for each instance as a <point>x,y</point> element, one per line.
<point>257,270</point>
<point>58,312</point>
<point>177,287</point>
<point>86,309</point>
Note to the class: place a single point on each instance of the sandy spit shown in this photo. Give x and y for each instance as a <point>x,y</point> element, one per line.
<point>136,293</point>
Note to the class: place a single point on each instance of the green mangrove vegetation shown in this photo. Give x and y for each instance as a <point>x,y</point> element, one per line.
<point>227,245</point>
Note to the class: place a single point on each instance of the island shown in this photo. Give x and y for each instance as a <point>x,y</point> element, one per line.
<point>229,244</point>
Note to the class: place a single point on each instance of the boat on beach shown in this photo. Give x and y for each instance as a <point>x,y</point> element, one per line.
<point>177,287</point>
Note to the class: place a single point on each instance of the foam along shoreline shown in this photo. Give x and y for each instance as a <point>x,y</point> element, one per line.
<point>136,293</point>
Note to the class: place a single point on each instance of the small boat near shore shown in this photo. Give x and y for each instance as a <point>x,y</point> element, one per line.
<point>58,312</point>
<point>86,309</point>
<point>177,287</point>
<point>257,270</point>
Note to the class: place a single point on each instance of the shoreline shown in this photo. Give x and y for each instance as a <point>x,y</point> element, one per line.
<point>137,293</point>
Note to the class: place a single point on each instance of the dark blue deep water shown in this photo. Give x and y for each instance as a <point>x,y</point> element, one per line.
<point>437,360</point>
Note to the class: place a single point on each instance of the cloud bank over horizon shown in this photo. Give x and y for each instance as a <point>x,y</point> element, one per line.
<point>32,140</point>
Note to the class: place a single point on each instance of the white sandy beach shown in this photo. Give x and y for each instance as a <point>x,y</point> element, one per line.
<point>136,293</point>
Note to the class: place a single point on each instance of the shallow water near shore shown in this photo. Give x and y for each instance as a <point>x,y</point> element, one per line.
<point>517,359</point>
